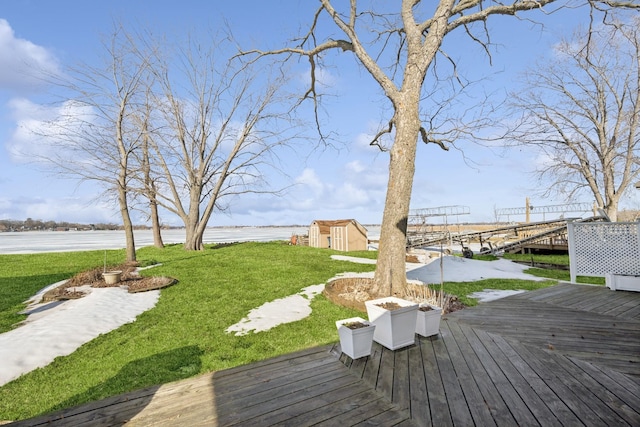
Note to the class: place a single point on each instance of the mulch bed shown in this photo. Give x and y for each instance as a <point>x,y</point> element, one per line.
<point>352,292</point>
<point>76,287</point>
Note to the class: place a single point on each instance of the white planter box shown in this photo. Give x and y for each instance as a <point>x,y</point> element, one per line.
<point>618,282</point>
<point>355,343</point>
<point>428,322</point>
<point>394,328</point>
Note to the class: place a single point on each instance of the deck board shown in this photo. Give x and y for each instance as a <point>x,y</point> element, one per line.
<point>469,379</point>
<point>565,355</point>
<point>440,415</point>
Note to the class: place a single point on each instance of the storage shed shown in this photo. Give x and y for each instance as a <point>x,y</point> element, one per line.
<point>340,234</point>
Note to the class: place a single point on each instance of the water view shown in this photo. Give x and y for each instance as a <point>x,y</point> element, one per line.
<point>65,241</point>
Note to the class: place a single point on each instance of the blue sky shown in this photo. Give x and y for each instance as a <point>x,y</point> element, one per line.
<point>330,184</point>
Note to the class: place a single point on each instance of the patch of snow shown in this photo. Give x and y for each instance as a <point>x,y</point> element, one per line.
<point>459,269</point>
<point>283,310</point>
<point>58,328</point>
<point>493,294</point>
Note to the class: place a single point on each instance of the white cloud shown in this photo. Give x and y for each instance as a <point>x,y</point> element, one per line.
<point>324,78</point>
<point>23,64</point>
<point>83,209</point>
<point>39,129</point>
<point>355,166</point>
<point>310,179</point>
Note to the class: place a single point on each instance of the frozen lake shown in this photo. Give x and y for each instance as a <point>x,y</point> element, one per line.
<point>65,241</point>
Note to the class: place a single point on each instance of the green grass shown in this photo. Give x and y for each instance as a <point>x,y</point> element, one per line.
<point>547,259</point>
<point>563,275</point>
<point>183,335</point>
<point>21,276</point>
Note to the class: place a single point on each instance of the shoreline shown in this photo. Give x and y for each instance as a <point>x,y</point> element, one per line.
<point>23,242</point>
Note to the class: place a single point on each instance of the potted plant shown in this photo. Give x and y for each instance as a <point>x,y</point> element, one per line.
<point>395,321</point>
<point>428,320</point>
<point>110,277</point>
<point>356,336</point>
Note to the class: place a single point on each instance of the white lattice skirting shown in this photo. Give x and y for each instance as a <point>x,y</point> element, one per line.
<point>603,248</point>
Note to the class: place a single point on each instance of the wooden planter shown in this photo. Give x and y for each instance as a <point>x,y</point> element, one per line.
<point>619,282</point>
<point>355,343</point>
<point>394,328</point>
<point>428,322</point>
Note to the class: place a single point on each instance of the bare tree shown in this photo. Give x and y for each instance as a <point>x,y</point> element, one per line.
<point>582,111</point>
<point>150,191</point>
<point>95,131</point>
<point>220,124</point>
<point>397,45</point>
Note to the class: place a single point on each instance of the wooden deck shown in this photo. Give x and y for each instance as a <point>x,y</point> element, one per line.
<point>566,355</point>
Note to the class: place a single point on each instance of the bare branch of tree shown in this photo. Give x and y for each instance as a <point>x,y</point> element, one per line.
<point>582,113</point>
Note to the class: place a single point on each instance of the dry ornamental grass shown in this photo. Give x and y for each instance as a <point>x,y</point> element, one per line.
<point>352,292</point>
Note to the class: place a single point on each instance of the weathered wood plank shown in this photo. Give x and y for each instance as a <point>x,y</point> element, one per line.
<point>609,300</point>
<point>504,401</point>
<point>621,385</point>
<point>384,383</point>
<point>418,397</point>
<point>358,365</point>
<point>355,416</point>
<point>601,387</point>
<point>401,396</point>
<point>544,363</point>
<point>458,406</point>
<point>622,308</point>
<point>387,418</point>
<point>631,313</point>
<point>371,369</point>
<point>237,412</point>
<point>438,405</point>
<point>469,381</point>
<point>314,408</point>
<point>343,401</point>
<point>555,293</point>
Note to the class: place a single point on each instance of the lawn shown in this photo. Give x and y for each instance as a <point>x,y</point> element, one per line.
<point>183,335</point>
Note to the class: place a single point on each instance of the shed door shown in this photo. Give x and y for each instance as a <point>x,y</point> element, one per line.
<point>314,237</point>
<point>338,239</point>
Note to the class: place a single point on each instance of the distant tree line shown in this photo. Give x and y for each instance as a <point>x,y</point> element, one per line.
<point>40,225</point>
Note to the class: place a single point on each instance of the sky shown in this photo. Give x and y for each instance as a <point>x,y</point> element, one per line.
<point>348,181</point>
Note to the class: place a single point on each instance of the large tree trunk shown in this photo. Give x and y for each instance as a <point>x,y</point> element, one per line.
<point>122,198</point>
<point>155,225</point>
<point>193,241</point>
<point>611,207</point>
<point>390,275</point>
<point>128,225</point>
<point>151,191</point>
